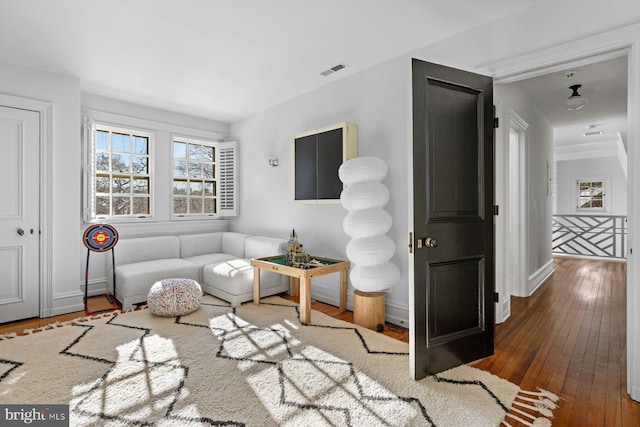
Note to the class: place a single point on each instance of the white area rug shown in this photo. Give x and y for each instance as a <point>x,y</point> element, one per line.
<point>252,366</point>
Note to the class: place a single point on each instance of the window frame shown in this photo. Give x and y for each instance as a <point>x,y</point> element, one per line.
<point>194,141</point>
<point>605,180</point>
<point>90,206</point>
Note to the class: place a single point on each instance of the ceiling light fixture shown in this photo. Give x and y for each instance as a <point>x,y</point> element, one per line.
<point>575,101</point>
<point>333,69</point>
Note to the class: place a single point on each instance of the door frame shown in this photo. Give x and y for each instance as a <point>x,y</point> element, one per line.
<point>45,110</point>
<point>585,51</point>
<point>517,207</point>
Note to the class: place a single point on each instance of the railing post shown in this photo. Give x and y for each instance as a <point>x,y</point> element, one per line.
<point>615,247</point>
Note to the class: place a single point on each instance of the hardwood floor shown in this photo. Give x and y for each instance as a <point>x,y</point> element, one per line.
<point>568,338</point>
<point>94,303</point>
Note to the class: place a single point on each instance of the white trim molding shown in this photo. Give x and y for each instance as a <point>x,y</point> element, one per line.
<point>538,277</point>
<point>394,313</point>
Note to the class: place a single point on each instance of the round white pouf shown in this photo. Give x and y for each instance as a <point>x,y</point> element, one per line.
<point>174,297</point>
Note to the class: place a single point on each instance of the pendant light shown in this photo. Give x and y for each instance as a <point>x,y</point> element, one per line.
<point>575,101</point>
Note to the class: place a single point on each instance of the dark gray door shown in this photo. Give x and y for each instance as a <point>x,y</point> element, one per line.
<point>453,217</point>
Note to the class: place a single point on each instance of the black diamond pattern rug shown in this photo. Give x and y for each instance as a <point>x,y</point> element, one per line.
<point>248,366</point>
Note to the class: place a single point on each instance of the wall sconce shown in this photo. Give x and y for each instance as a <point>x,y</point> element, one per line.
<point>272,158</point>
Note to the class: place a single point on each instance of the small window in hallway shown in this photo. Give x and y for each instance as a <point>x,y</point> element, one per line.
<point>591,195</point>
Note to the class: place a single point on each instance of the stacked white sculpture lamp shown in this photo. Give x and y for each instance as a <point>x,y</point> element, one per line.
<point>370,250</point>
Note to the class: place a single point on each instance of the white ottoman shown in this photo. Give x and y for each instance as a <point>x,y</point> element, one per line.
<point>174,297</point>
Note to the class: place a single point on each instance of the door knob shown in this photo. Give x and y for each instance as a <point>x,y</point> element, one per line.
<point>21,231</point>
<point>428,242</point>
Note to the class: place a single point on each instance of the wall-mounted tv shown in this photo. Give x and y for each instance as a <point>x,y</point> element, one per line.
<point>318,155</point>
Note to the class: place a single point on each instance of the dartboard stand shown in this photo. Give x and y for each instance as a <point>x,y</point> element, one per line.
<point>100,238</point>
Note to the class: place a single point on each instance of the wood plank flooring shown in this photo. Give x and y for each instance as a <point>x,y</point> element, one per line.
<point>568,338</point>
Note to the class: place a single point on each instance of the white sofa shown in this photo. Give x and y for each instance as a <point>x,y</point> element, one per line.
<point>220,262</point>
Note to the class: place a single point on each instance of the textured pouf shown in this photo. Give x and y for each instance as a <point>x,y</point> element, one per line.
<point>174,297</point>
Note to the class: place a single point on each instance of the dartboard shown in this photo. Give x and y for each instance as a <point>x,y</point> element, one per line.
<point>100,237</point>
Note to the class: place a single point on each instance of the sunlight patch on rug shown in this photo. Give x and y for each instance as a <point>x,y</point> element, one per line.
<point>316,388</point>
<point>142,385</point>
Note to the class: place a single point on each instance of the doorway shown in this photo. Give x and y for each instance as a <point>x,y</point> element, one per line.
<point>597,48</point>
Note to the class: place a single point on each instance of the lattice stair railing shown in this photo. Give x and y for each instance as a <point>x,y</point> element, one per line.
<point>590,235</point>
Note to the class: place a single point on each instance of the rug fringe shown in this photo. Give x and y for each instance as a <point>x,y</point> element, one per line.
<point>58,324</point>
<point>541,392</point>
<point>540,401</point>
<point>8,335</point>
<point>543,404</point>
<point>536,422</point>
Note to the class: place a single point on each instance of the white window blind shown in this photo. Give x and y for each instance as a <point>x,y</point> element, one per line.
<point>227,161</point>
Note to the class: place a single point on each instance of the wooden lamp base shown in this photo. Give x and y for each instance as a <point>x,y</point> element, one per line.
<point>368,309</point>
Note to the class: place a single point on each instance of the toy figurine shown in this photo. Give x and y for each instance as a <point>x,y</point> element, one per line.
<point>295,256</point>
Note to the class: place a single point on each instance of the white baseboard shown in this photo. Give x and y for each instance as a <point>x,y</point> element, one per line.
<point>67,302</point>
<point>394,313</point>
<point>96,287</point>
<point>635,393</point>
<point>506,309</point>
<point>538,278</point>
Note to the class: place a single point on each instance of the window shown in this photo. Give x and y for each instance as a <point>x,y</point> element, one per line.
<point>121,184</point>
<point>204,178</point>
<point>123,180</point>
<point>591,195</point>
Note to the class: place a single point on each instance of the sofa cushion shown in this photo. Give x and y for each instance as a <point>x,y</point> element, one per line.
<point>174,297</point>
<point>135,279</point>
<point>201,260</point>
<point>198,244</point>
<point>129,251</point>
<point>233,244</point>
<point>258,246</point>
<point>235,277</point>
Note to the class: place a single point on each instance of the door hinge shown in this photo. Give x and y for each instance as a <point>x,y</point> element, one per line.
<point>496,297</point>
<point>496,210</point>
<point>410,243</point>
<point>496,122</point>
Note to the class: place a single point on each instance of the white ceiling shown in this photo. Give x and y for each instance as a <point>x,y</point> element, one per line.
<point>225,59</point>
<point>604,84</point>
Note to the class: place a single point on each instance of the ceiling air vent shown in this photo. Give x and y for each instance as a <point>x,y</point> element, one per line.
<point>333,69</point>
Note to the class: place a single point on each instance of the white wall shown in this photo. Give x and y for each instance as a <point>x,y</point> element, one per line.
<point>568,171</point>
<point>539,153</point>
<point>63,92</point>
<point>376,101</point>
<point>163,124</point>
